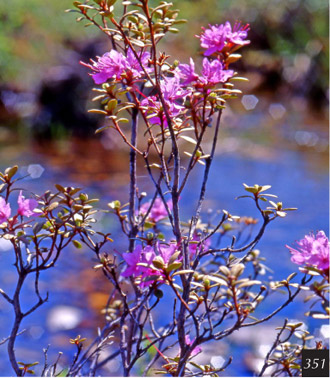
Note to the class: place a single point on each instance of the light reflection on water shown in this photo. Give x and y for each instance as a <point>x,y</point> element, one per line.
<point>74,283</point>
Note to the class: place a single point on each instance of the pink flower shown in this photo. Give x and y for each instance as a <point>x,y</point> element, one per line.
<point>214,73</point>
<point>172,89</point>
<point>312,251</point>
<point>158,210</point>
<point>187,73</point>
<point>193,246</point>
<point>110,65</point>
<point>113,64</point>
<point>133,64</point>
<point>238,35</point>
<point>26,206</point>
<point>196,350</point>
<point>166,251</point>
<point>132,259</point>
<point>213,39</point>
<point>173,95</point>
<point>5,210</point>
<point>217,37</point>
<point>145,257</point>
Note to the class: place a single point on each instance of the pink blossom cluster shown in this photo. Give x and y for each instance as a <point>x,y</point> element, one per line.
<point>213,73</point>
<point>174,96</point>
<point>139,262</point>
<point>26,208</point>
<point>218,37</point>
<point>312,250</point>
<point>115,65</point>
<point>158,210</point>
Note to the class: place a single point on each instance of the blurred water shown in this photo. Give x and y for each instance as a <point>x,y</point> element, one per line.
<point>74,284</point>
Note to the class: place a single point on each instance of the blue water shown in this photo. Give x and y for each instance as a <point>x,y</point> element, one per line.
<point>293,179</point>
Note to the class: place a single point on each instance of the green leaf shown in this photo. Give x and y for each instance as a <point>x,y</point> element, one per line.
<point>188,139</point>
<point>77,244</point>
<point>63,373</point>
<point>186,271</point>
<point>52,206</point>
<point>60,188</point>
<point>218,280</point>
<point>100,129</point>
<point>173,266</point>
<point>158,262</point>
<point>112,104</point>
<point>174,257</point>
<point>10,172</point>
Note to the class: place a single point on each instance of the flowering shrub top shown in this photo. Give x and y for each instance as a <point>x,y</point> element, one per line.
<point>115,65</point>
<point>220,37</point>
<point>26,207</point>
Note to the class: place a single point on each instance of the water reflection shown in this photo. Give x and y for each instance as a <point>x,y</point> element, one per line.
<point>291,163</point>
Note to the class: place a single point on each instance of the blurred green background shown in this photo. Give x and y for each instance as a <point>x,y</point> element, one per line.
<point>289,41</point>
<point>45,92</point>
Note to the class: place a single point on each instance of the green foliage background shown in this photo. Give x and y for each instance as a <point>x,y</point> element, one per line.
<point>35,34</point>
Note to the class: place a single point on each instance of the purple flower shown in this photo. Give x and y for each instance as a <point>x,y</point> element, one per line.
<point>158,210</point>
<point>186,72</point>
<point>193,246</point>
<point>214,73</point>
<point>133,65</point>
<point>217,37</point>
<point>167,251</point>
<point>172,93</point>
<point>5,210</point>
<point>132,259</point>
<point>26,206</point>
<point>113,64</point>
<point>196,350</point>
<point>147,271</point>
<point>145,257</point>
<point>214,38</point>
<point>110,65</point>
<point>312,251</point>
<point>238,35</point>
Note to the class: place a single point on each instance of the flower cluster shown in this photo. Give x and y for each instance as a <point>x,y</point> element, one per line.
<point>313,250</point>
<point>173,83</point>
<point>174,95</point>
<point>115,65</point>
<point>218,37</point>
<point>158,210</point>
<point>212,73</point>
<point>142,263</point>
<point>26,208</point>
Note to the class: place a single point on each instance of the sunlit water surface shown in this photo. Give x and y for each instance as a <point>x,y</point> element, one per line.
<point>78,293</point>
